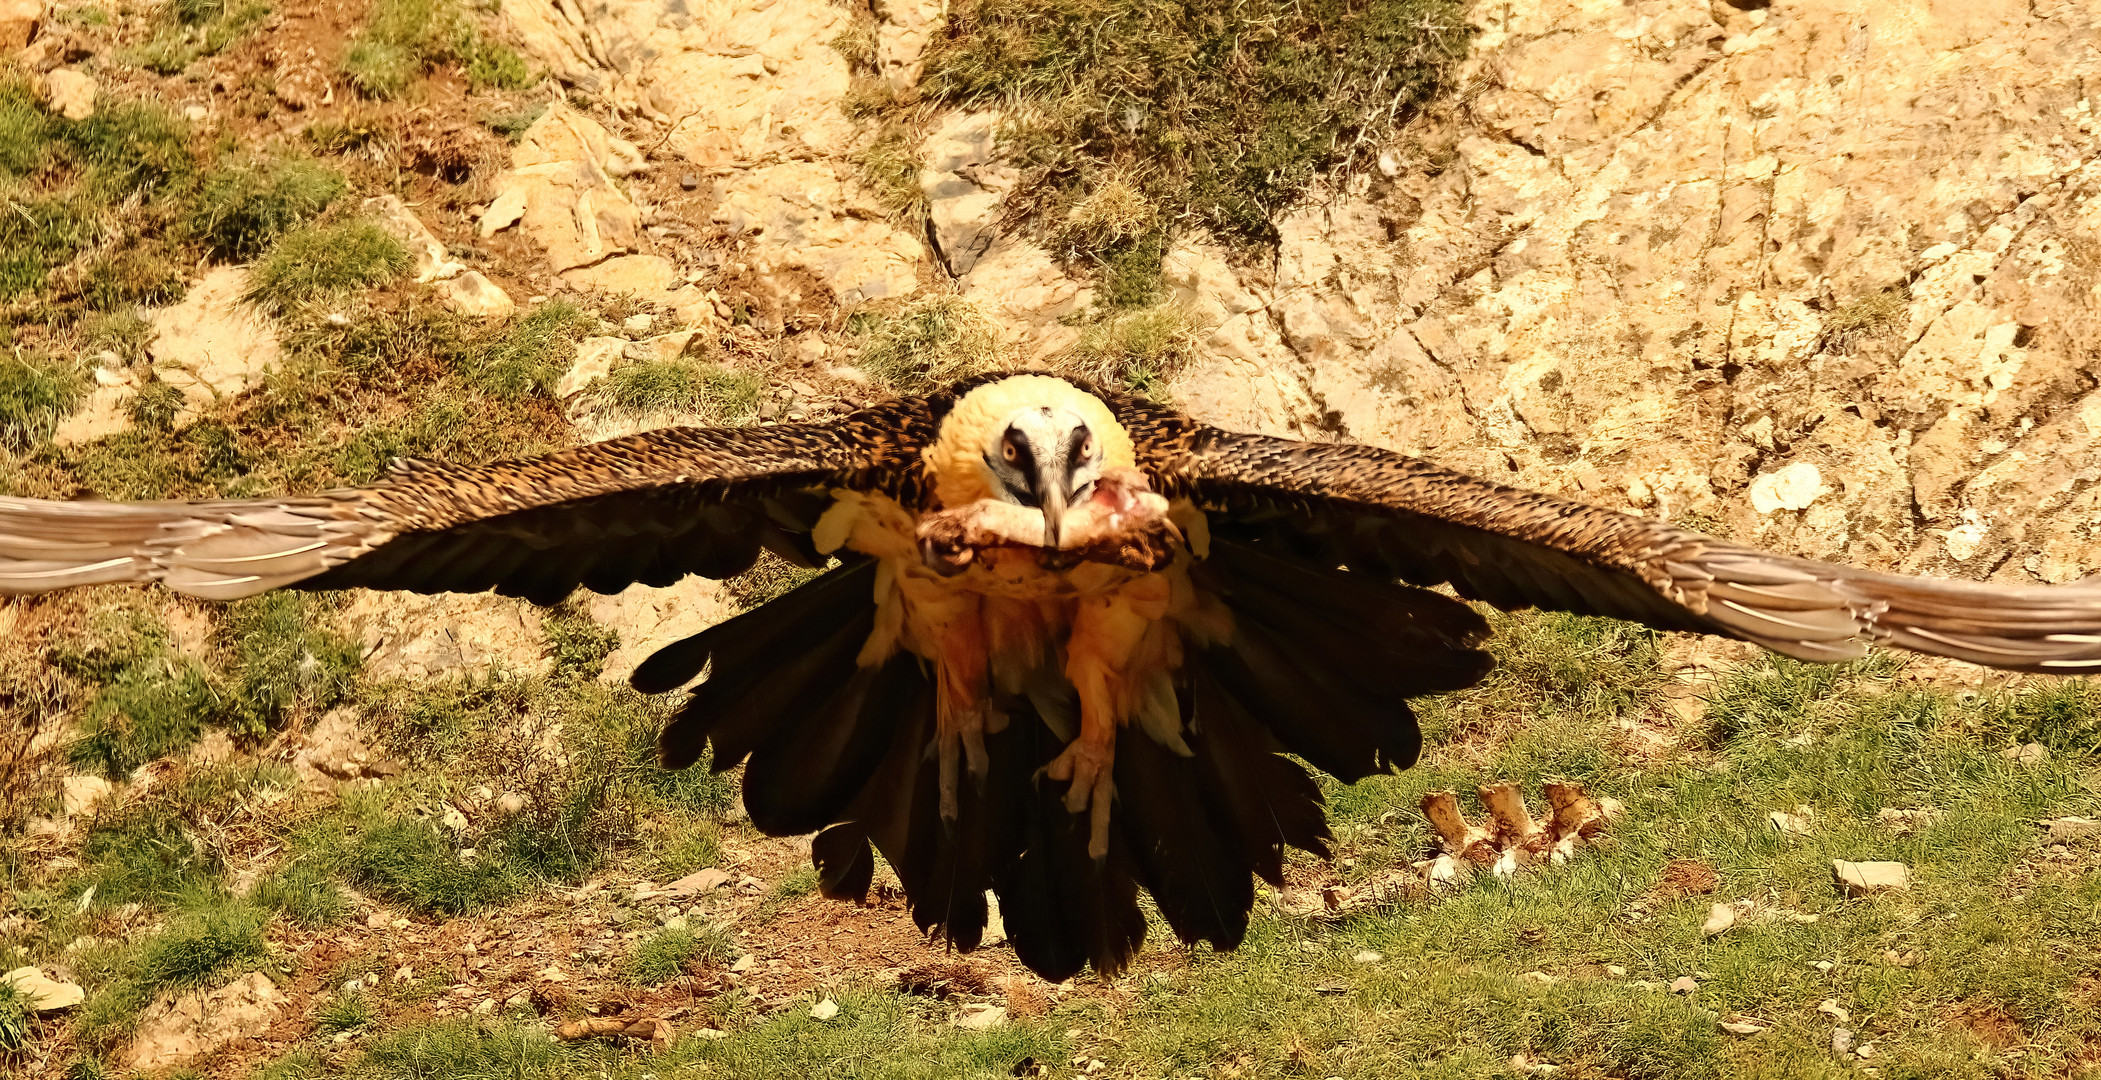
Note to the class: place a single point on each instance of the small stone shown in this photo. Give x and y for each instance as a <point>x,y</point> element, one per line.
<point>1794,487</point>
<point>472,293</point>
<point>2030,754</point>
<point>1540,977</point>
<point>638,324</point>
<point>980,1017</point>
<point>1736,1024</point>
<point>404,973</point>
<point>1831,1008</point>
<point>71,93</point>
<point>698,882</point>
<point>1615,971</point>
<point>81,794</point>
<point>195,113</point>
<point>484,1007</point>
<point>1366,956</point>
<point>510,803</point>
<point>1841,1041</point>
<point>454,820</point>
<point>1795,823</point>
<point>824,1010</point>
<point>1720,917</point>
<point>1868,878</point>
<point>44,993</point>
<point>1865,1051</point>
<point>677,922</point>
<point>553,974</point>
<point>377,920</point>
<point>689,181</point>
<point>1684,984</point>
<point>1823,965</point>
<point>398,924</point>
<point>744,963</point>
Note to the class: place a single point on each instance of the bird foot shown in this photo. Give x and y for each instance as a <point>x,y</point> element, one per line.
<point>1086,765</point>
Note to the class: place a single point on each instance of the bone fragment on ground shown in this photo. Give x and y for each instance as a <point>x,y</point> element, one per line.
<point>1514,825</point>
<point>655,1029</point>
<point>1575,817</point>
<point>1461,839</point>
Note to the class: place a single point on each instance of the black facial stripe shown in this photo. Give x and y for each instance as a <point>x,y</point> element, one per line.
<point>1075,443</point>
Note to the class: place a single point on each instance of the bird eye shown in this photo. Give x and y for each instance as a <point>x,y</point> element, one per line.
<point>1006,450</point>
<point>1087,448</point>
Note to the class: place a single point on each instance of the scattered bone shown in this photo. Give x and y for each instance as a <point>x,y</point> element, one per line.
<point>1720,918</point>
<point>980,1017</point>
<point>1739,1024</point>
<point>1684,984</point>
<point>1841,1041</point>
<point>1460,838</point>
<point>1576,817</point>
<point>44,994</point>
<point>1831,1008</point>
<point>655,1029</point>
<point>824,1010</point>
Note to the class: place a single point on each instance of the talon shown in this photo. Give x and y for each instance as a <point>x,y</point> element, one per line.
<point>1086,766</point>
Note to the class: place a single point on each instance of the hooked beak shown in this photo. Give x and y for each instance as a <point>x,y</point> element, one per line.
<point>1055,499</point>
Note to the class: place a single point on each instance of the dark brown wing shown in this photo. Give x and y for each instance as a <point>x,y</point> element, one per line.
<point>1381,512</point>
<point>647,508</point>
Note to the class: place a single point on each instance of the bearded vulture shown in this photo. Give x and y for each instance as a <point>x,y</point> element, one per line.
<point>1072,636</point>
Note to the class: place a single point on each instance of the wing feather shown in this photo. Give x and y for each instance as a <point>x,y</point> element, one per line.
<point>1382,512</point>
<point>646,508</point>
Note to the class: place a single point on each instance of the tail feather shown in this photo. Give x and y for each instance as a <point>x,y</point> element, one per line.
<point>1274,802</point>
<point>1182,839</point>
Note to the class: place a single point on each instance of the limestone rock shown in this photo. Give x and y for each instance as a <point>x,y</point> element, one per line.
<point>172,1032</point>
<point>45,994</point>
<point>1024,291</point>
<point>736,82</point>
<point>70,93</point>
<point>335,749</point>
<point>473,294</point>
<point>964,183</point>
<point>648,619</point>
<point>644,277</point>
<point>212,345</point>
<point>595,357</point>
<point>81,794</point>
<point>802,214</point>
<point>107,409</point>
<point>430,261</point>
<point>560,191</point>
<point>1794,487</point>
<point>902,36</point>
<point>1657,267</point>
<point>19,20</point>
<point>421,637</point>
<point>1858,879</point>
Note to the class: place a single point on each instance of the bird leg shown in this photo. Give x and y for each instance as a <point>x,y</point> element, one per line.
<point>1106,632</point>
<point>951,622</point>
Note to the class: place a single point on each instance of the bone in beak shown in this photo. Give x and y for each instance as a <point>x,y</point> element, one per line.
<point>1054,503</point>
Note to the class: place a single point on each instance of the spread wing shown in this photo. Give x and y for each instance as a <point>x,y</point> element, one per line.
<point>648,508</point>
<point>1378,511</point>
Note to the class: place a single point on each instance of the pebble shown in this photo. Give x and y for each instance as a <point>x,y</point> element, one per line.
<point>689,181</point>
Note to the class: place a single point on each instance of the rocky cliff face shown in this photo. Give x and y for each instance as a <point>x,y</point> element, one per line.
<point>1822,277</point>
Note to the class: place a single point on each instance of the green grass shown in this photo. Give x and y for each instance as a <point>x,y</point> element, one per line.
<point>348,1012</point>
<point>669,953</point>
<point>1867,317</point>
<point>286,654</point>
<point>927,343</point>
<point>889,168</point>
<point>38,234</point>
<point>214,937</point>
<point>35,395</point>
<point>245,205</point>
<point>1137,351</point>
<point>15,1017</point>
<point>403,39</point>
<point>303,894</point>
<point>324,262</point>
<point>769,578</point>
<point>723,395</point>
<point>189,30</point>
<point>580,646</point>
<point>1129,115</point>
